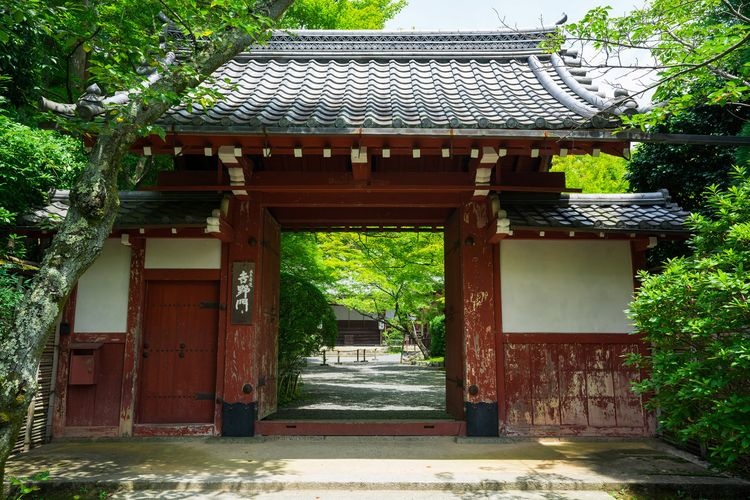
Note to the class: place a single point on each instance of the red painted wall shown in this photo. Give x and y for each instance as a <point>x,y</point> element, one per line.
<point>555,386</point>
<point>98,404</point>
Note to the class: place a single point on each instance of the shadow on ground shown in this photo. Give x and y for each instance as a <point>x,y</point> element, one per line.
<point>373,390</point>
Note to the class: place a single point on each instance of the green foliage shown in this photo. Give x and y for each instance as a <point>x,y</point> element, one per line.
<point>11,293</point>
<point>341,14</point>
<point>686,170</point>
<point>22,486</point>
<point>33,162</point>
<point>604,174</point>
<point>301,256</point>
<point>306,323</point>
<point>437,336</point>
<point>700,50</point>
<point>743,153</point>
<point>379,272</point>
<point>396,273</point>
<point>24,31</point>
<point>696,316</point>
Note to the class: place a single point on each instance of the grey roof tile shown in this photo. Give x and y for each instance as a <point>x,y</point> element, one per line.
<point>137,209</point>
<point>347,79</point>
<point>636,212</point>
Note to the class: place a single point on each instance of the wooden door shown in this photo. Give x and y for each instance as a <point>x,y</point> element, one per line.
<point>178,352</point>
<point>268,337</point>
<point>454,328</point>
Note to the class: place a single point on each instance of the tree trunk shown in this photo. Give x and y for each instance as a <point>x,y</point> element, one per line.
<point>417,340</point>
<point>406,326</point>
<point>80,238</point>
<point>78,243</point>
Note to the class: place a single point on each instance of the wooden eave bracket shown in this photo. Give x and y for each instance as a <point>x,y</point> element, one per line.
<point>218,227</point>
<point>239,168</point>
<point>502,227</point>
<point>487,161</point>
<point>361,165</point>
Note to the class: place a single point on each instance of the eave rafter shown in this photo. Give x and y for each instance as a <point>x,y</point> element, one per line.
<point>388,145</point>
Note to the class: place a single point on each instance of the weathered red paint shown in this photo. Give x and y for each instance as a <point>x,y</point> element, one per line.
<point>178,366</point>
<point>224,284</point>
<point>500,338</point>
<point>471,289</point>
<point>99,338</point>
<point>132,335</point>
<point>353,428</point>
<point>167,430</point>
<point>89,432</point>
<point>267,345</point>
<point>61,386</point>
<point>454,344</point>
<point>571,388</point>
<point>479,292</point>
<point>250,351</point>
<point>245,215</point>
<point>572,338</point>
<point>97,404</point>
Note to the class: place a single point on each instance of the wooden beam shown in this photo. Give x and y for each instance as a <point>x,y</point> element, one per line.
<point>359,199</point>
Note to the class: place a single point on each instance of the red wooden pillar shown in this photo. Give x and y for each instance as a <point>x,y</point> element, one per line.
<point>471,293</point>
<point>248,388</point>
<point>239,408</point>
<point>479,294</point>
<point>63,365</point>
<point>131,363</point>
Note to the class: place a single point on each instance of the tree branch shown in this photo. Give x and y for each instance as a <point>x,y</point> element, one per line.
<point>735,12</point>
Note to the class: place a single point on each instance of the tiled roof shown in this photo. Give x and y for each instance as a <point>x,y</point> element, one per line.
<point>137,209</point>
<point>394,80</point>
<point>636,212</point>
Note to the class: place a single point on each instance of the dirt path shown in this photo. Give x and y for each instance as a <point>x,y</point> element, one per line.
<point>382,389</point>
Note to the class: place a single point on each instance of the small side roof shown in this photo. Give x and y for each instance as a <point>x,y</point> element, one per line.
<point>620,213</point>
<point>631,213</point>
<point>137,209</point>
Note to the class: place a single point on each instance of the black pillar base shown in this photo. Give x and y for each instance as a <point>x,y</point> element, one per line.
<point>238,419</point>
<point>481,419</point>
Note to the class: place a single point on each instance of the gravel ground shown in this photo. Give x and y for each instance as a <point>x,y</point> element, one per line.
<point>380,388</point>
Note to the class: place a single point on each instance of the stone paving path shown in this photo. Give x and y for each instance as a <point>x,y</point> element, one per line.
<point>374,468</point>
<point>376,389</point>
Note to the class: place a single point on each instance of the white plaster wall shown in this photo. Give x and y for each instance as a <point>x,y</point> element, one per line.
<point>565,286</point>
<point>102,299</point>
<point>183,253</point>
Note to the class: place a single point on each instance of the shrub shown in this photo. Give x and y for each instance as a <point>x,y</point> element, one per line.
<point>696,316</point>
<point>32,163</point>
<point>437,336</point>
<point>306,323</point>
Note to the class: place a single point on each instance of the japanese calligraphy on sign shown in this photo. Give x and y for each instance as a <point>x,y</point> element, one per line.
<point>243,290</point>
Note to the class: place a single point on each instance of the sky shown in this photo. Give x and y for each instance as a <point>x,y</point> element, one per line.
<point>468,15</point>
<point>479,14</point>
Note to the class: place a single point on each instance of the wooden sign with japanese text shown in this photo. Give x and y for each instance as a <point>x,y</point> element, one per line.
<point>243,291</point>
